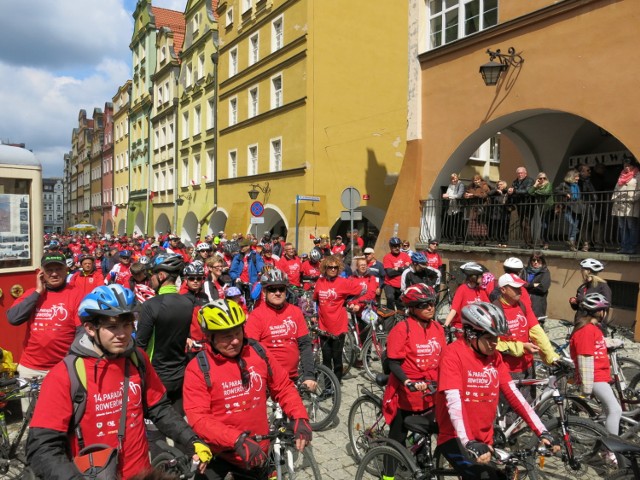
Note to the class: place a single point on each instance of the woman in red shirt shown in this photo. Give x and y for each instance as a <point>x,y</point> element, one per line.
<point>331,293</point>
<point>588,349</point>
<point>469,292</point>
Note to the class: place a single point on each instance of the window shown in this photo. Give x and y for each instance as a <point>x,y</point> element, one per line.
<point>276,91</point>
<point>210,167</point>
<point>163,53</point>
<point>189,75</point>
<point>201,66</point>
<point>254,45</point>
<point>233,61</point>
<point>166,92</point>
<point>450,20</point>
<point>185,172</point>
<point>185,125</point>
<point>233,163</point>
<point>233,111</point>
<point>277,41</point>
<point>253,102</point>
<point>624,295</point>
<point>252,160</point>
<point>196,120</point>
<point>229,17</point>
<point>195,22</point>
<point>211,114</point>
<point>160,98</point>
<point>246,6</point>
<point>196,170</point>
<point>275,155</point>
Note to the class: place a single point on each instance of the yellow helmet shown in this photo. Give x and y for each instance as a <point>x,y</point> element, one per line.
<point>220,315</point>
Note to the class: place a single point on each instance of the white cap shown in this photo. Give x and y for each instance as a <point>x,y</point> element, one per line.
<point>511,280</point>
<point>368,250</point>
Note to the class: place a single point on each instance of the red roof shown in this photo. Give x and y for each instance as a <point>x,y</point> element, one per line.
<point>173,20</point>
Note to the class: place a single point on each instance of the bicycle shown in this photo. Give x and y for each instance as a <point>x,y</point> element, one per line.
<point>630,452</point>
<point>366,424</point>
<point>174,462</point>
<point>443,305</point>
<point>322,404</point>
<point>10,450</point>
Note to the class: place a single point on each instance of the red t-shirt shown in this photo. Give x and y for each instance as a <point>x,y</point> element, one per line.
<point>519,325</point>
<point>120,274</point>
<point>331,295</point>
<point>369,283</point>
<point>434,260</point>
<point>392,261</point>
<point>101,418</point>
<point>309,269</point>
<point>86,283</point>
<point>477,378</point>
<point>292,267</point>
<point>51,327</point>
<point>420,349</point>
<point>466,296</point>
<point>279,331</point>
<point>338,249</point>
<point>589,340</point>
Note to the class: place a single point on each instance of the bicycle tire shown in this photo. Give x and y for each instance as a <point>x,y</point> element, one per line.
<point>323,404</point>
<point>372,465</point>
<point>525,470</point>
<point>632,434</point>
<point>164,462</point>
<point>365,424</point>
<point>349,353</point>
<point>371,359</point>
<point>573,406</point>
<point>630,367</point>
<point>584,438</point>
<point>303,466</point>
<point>442,310</point>
<point>625,474</point>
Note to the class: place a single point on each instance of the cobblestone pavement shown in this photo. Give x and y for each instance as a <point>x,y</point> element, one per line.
<point>331,447</point>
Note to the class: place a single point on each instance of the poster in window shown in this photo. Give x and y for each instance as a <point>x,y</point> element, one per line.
<point>14,227</point>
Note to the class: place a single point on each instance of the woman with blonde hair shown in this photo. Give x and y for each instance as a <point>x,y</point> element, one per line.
<point>452,221</point>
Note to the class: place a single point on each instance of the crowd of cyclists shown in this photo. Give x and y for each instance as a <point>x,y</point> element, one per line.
<point>191,343</point>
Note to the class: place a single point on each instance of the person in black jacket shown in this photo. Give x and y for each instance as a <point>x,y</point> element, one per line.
<point>163,328</point>
<point>538,279</point>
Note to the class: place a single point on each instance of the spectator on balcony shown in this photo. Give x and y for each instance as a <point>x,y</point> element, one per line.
<point>626,205</point>
<point>590,224</point>
<point>542,194</point>
<point>452,221</point>
<point>500,213</point>
<point>476,194</point>
<point>519,193</point>
<point>571,206</point>
<point>538,279</point>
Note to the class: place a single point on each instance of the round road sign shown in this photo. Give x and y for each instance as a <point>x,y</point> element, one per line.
<point>350,198</point>
<point>257,209</point>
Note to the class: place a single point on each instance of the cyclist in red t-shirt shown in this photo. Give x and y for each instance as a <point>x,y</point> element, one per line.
<point>467,293</point>
<point>395,262</point>
<point>471,376</point>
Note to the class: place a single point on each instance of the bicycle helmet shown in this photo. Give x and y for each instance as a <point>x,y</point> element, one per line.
<point>220,315</point>
<point>419,258</point>
<point>513,263</point>
<point>594,302</point>
<point>232,292</point>
<point>144,260</point>
<point>83,257</point>
<point>592,264</point>
<point>395,242</point>
<point>202,247</point>
<point>485,317</point>
<point>107,301</point>
<point>231,247</point>
<point>472,268</point>
<point>69,262</point>
<point>417,295</point>
<point>274,276</point>
<point>167,263</point>
<point>194,268</point>
<point>315,255</point>
<point>124,254</point>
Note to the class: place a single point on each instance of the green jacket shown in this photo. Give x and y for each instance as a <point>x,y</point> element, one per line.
<point>543,195</point>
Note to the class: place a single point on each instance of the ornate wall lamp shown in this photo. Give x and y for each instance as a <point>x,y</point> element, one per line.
<point>492,70</point>
<point>256,188</point>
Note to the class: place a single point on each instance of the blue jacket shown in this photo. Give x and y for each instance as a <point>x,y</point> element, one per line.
<point>255,266</point>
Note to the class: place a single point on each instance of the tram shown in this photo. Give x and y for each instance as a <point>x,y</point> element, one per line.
<point>21,235</point>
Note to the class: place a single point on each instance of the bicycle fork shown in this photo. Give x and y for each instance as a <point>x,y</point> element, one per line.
<point>566,436</point>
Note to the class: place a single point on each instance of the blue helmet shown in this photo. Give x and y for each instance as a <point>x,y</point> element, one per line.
<point>419,257</point>
<point>107,301</point>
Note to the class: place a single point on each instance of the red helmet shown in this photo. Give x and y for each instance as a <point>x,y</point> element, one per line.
<point>417,295</point>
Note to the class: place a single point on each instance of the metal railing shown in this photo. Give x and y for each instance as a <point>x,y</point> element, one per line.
<point>590,221</point>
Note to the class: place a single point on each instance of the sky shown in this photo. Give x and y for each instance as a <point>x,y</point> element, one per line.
<point>60,57</point>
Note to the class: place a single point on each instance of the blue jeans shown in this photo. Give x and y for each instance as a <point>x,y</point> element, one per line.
<point>628,234</point>
<point>574,224</point>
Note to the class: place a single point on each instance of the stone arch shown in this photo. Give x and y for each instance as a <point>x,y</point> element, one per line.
<point>122,227</point>
<point>138,225</point>
<point>162,224</point>
<point>217,222</point>
<point>274,221</point>
<point>108,226</point>
<point>189,232</point>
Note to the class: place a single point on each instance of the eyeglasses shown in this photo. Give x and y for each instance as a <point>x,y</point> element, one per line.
<point>424,305</point>
<point>536,260</point>
<point>433,243</point>
<point>279,289</point>
<point>542,178</point>
<point>332,267</point>
<point>217,266</point>
<point>405,245</point>
<point>195,279</point>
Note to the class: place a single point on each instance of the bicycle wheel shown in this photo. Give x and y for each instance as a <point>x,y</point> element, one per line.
<point>299,465</point>
<point>349,353</point>
<point>583,442</point>
<point>574,406</point>
<point>365,424</point>
<point>376,461</point>
<point>442,310</point>
<point>371,356</point>
<point>168,463</point>
<point>626,474</point>
<point>630,367</point>
<point>323,404</point>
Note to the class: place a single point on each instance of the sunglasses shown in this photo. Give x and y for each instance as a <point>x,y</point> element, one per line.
<point>205,251</point>
<point>542,178</point>
<point>276,289</point>
<point>536,260</point>
<point>433,243</point>
<point>332,267</point>
<point>424,305</point>
<point>195,279</point>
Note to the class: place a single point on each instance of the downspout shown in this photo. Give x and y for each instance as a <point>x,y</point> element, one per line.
<point>150,167</point>
<point>176,120</point>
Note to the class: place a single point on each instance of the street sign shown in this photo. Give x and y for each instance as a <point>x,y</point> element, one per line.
<point>345,215</point>
<point>350,198</point>
<point>255,220</point>
<point>257,209</point>
<point>308,198</point>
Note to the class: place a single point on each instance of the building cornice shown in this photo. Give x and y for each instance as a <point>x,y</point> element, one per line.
<point>291,172</point>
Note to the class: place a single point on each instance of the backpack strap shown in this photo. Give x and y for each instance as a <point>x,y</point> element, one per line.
<point>78,376</point>
<point>203,363</point>
<point>260,351</point>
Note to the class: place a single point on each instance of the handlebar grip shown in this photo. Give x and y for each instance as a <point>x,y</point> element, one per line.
<point>6,382</point>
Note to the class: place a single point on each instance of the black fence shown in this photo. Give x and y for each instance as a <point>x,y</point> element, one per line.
<point>557,224</point>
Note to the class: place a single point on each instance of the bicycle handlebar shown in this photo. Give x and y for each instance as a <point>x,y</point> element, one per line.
<point>431,387</point>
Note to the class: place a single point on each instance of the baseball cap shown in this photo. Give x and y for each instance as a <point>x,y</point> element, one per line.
<point>368,250</point>
<point>511,280</point>
<point>245,242</point>
<point>53,258</point>
<point>174,237</point>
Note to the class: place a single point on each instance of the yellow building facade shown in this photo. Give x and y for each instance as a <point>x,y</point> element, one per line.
<point>120,158</point>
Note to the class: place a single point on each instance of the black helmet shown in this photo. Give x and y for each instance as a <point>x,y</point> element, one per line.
<point>167,263</point>
<point>395,241</point>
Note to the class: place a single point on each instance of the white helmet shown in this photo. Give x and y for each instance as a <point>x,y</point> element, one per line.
<point>472,268</point>
<point>592,264</point>
<point>513,262</point>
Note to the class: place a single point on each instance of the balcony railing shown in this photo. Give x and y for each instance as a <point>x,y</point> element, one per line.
<point>593,221</point>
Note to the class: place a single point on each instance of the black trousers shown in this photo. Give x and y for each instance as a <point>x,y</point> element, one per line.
<point>332,354</point>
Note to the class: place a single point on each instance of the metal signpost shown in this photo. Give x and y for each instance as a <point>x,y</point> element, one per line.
<point>350,199</point>
<point>257,210</point>
<point>307,198</point>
